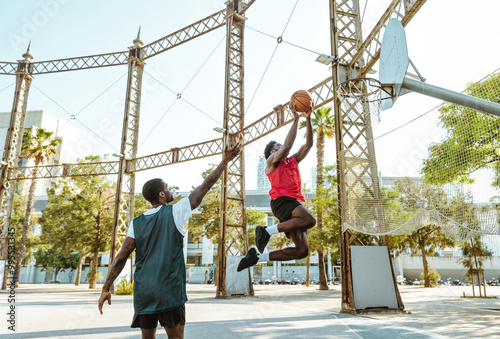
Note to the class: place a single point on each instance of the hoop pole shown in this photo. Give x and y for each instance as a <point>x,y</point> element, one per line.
<point>451,96</point>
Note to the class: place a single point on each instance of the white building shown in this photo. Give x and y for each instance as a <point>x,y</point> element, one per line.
<point>76,144</point>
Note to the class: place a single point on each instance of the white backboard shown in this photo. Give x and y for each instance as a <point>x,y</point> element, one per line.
<point>394,60</point>
<point>372,280</point>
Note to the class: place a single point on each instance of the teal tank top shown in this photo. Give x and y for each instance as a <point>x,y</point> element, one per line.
<point>160,273</point>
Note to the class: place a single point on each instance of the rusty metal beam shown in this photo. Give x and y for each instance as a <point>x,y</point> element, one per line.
<point>8,68</point>
<point>177,38</point>
<point>185,34</point>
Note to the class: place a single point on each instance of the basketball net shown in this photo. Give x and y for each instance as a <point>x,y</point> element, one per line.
<point>361,95</point>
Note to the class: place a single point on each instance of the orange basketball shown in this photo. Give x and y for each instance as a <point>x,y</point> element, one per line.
<point>302,100</point>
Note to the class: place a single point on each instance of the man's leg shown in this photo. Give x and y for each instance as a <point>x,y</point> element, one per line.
<point>301,249</point>
<point>148,333</point>
<point>176,332</point>
<point>300,219</point>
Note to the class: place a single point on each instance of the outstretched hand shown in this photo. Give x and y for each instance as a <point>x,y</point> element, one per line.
<point>294,110</point>
<point>309,111</point>
<point>104,296</point>
<point>231,153</point>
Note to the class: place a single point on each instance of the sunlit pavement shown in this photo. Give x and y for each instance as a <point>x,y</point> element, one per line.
<point>276,311</point>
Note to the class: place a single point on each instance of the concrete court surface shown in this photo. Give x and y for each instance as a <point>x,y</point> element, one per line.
<point>276,311</point>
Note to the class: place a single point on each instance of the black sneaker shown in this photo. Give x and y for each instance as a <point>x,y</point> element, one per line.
<point>261,238</point>
<point>249,260</point>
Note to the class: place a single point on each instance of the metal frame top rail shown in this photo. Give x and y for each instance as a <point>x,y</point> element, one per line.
<point>185,34</point>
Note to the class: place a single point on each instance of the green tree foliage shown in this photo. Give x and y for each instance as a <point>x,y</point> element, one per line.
<point>413,197</point>
<point>323,125</point>
<point>254,219</point>
<point>125,287</point>
<point>433,277</point>
<point>326,199</point>
<point>474,255</point>
<point>141,205</point>
<point>56,260</point>
<point>207,222</point>
<point>79,217</point>
<point>38,146</point>
<point>472,141</point>
<point>17,221</point>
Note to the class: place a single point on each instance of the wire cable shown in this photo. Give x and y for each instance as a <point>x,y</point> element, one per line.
<point>73,116</point>
<point>91,130</point>
<point>284,41</point>
<point>97,97</point>
<point>1,90</point>
<point>206,60</point>
<point>364,11</point>
<point>48,97</point>
<point>185,87</point>
<point>279,40</point>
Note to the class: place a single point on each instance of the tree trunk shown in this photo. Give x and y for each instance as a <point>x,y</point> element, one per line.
<point>55,274</point>
<point>26,223</point>
<point>323,282</point>
<point>472,283</point>
<point>93,269</point>
<point>426,266</point>
<point>484,283</point>
<point>308,272</point>
<point>79,271</point>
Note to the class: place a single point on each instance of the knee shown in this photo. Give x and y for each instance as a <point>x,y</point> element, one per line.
<point>302,251</point>
<point>310,221</point>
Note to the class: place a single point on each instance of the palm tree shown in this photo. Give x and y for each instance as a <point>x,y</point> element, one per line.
<point>323,125</point>
<point>39,146</point>
<point>474,254</point>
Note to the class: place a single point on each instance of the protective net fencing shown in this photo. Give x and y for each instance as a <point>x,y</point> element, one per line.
<point>441,168</point>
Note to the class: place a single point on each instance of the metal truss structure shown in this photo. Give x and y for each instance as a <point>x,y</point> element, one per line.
<point>356,165</point>
<point>353,58</point>
<point>233,218</point>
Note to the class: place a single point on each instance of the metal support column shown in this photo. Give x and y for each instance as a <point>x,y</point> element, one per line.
<point>124,201</point>
<point>12,151</point>
<point>233,227</point>
<point>356,165</point>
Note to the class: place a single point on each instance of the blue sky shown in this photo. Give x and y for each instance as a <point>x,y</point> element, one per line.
<point>450,45</point>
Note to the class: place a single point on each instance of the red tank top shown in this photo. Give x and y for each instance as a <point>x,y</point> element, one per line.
<point>285,180</point>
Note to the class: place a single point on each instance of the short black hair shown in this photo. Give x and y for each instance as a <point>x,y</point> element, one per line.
<point>269,146</point>
<point>151,190</point>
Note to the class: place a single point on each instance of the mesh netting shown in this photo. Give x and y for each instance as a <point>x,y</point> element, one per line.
<point>361,95</point>
<point>441,168</point>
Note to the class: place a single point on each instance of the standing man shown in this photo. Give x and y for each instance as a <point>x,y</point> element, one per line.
<point>286,198</point>
<point>160,274</point>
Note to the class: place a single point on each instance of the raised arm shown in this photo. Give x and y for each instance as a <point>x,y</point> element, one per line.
<point>304,149</point>
<point>115,270</point>
<point>197,195</point>
<point>282,153</point>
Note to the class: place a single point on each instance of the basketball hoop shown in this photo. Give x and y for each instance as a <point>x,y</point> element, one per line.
<point>360,97</point>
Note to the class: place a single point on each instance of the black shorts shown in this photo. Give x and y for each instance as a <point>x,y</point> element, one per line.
<point>168,319</point>
<point>282,208</point>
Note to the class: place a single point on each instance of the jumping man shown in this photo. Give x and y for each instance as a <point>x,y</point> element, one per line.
<point>286,197</point>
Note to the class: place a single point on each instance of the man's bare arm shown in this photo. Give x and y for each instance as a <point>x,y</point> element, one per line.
<point>282,153</point>
<point>197,195</point>
<point>304,150</point>
<point>114,271</point>
<point>121,258</point>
